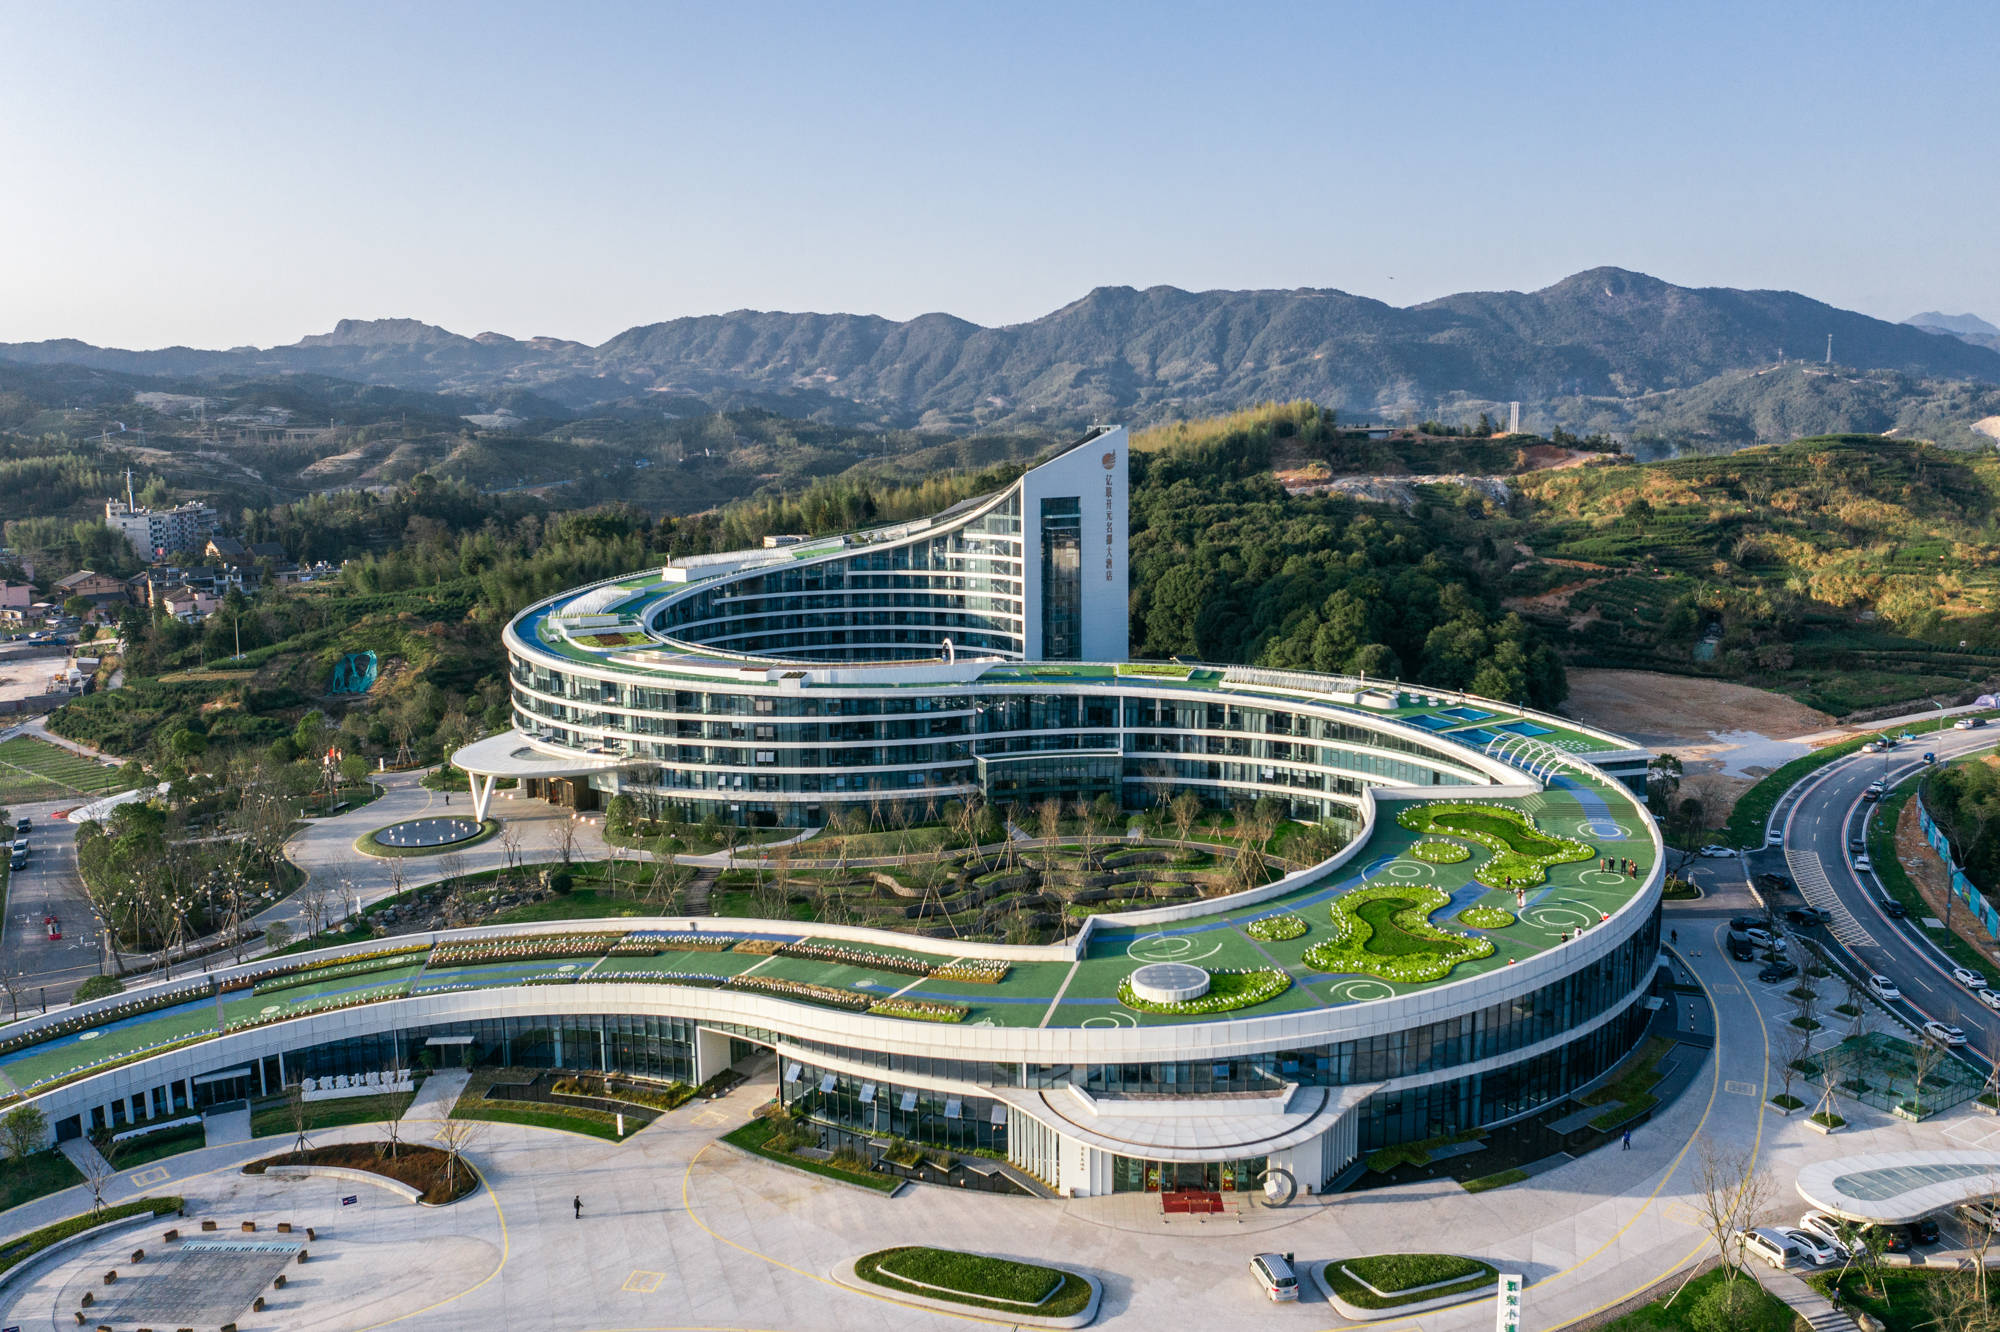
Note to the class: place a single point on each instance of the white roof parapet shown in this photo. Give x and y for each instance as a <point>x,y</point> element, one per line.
<point>512,754</point>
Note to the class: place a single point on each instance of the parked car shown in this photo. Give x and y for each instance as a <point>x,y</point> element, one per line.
<point>1983,1213</point>
<point>1808,917</point>
<point>19,861</point>
<point>1819,1252</point>
<point>1855,844</point>
<point>1892,1239</point>
<point>1778,970</point>
<point>1717,852</point>
<point>1275,1277</point>
<point>1923,1230</point>
<point>1776,883</point>
<point>1742,949</point>
<point>1883,987</point>
<point>1746,923</point>
<point>1769,1243</point>
<point>1871,795</point>
<point>1863,865</point>
<point>23,824</point>
<point>1776,836</point>
<point>1824,1226</point>
<point>1969,978</point>
<point>1760,936</point>
<point>1892,908</point>
<point>1989,997</point>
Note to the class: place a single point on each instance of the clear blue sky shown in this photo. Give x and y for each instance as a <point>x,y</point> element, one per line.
<point>221,174</point>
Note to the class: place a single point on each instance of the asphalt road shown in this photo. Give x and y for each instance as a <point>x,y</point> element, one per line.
<point>47,886</point>
<point>1815,853</point>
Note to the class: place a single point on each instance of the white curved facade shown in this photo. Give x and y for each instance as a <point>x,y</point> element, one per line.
<point>775,687</point>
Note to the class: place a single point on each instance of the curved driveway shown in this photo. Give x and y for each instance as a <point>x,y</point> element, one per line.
<point>1817,825</point>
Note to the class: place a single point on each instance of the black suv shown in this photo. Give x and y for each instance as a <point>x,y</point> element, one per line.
<point>1808,915</point>
<point>1778,969</point>
<point>1893,909</point>
<point>1776,883</point>
<point>1742,949</point>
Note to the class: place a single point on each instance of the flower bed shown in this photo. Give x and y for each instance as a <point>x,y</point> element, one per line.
<point>919,1010</point>
<point>1227,990</point>
<point>1435,851</point>
<point>663,976</point>
<point>647,943</point>
<point>972,971</point>
<point>1276,929</point>
<point>533,948</point>
<point>255,978</point>
<point>1399,943</point>
<point>858,957</point>
<point>1522,853</point>
<point>332,971</point>
<point>1486,918</point>
<point>812,994</point>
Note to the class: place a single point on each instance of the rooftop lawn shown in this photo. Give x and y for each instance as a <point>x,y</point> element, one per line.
<point>1575,896</point>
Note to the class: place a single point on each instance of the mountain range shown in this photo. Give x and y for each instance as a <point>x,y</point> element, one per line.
<point>1604,335</point>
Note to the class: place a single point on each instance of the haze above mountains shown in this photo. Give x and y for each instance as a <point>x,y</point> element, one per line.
<point>1603,349</point>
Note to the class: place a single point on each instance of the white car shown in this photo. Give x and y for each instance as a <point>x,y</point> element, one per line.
<point>1761,937</point>
<point>1823,1227</point>
<point>1718,852</point>
<point>1863,865</point>
<point>1775,837</point>
<point>1884,988</point>
<point>1771,1245</point>
<point>1969,978</point>
<point>1945,1034</point>
<point>1274,1276</point>
<point>1819,1252</point>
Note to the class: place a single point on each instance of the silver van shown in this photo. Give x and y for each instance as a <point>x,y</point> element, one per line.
<point>1275,1277</point>
<point>1771,1244</point>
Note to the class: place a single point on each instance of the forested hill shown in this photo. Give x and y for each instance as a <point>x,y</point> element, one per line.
<point>1121,353</point>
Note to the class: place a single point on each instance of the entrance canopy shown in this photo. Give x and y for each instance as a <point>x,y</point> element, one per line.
<point>1894,1187</point>
<point>512,754</point>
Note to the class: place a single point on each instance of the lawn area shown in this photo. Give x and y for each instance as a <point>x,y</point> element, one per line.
<point>35,1176</point>
<point>32,769</point>
<point>1766,1313</point>
<point>1631,1091</point>
<point>1495,1181</point>
<point>1902,1306</point>
<point>272,1118</point>
<point>1521,853</point>
<point>1400,1275</point>
<point>152,1146</point>
<point>473,1103</point>
<point>974,1279</point>
<point>755,1136</point>
<point>1385,930</point>
<point>578,904</point>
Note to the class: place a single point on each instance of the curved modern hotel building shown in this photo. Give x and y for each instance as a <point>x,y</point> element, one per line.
<point>1483,946</point>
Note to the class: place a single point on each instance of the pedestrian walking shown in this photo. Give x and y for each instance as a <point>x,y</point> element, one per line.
<point>1628,1141</point>
<point>577,1202</point>
<point>1674,937</point>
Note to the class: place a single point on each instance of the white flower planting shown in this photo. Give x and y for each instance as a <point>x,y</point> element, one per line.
<point>1347,950</point>
<point>1262,983</point>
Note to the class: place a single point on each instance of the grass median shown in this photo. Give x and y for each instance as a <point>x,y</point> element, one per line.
<point>977,1280</point>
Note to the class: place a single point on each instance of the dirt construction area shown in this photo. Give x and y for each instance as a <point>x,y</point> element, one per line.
<point>1730,729</point>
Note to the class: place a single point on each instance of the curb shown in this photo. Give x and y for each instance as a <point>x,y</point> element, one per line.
<point>75,1241</point>
<point>844,1276</point>
<point>1355,1314</point>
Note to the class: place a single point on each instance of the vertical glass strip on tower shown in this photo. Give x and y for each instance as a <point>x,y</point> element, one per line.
<point>1062,579</point>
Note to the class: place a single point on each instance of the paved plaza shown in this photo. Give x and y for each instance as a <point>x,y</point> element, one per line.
<point>680,1231</point>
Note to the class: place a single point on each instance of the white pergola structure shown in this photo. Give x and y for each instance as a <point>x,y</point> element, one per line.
<point>511,754</point>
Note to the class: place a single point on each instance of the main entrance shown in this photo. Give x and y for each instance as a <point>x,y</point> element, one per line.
<point>1132,1175</point>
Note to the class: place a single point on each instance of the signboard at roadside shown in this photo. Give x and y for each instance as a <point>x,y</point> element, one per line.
<point>1507,1318</point>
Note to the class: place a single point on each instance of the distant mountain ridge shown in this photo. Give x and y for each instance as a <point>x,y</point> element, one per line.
<point>1965,327</point>
<point>1124,353</point>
